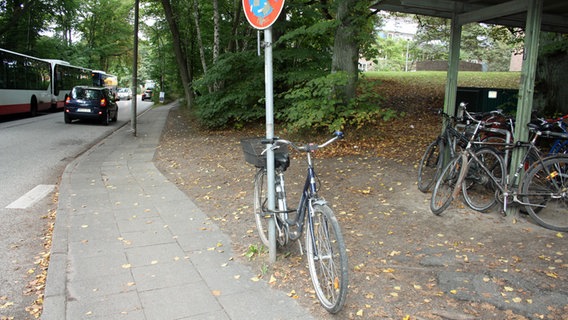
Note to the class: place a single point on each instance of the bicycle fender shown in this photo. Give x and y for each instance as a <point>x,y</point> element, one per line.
<point>320,202</point>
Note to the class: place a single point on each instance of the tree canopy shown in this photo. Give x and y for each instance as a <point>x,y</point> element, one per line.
<point>206,53</point>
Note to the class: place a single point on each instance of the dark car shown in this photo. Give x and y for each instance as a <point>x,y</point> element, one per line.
<point>90,103</point>
<point>147,94</point>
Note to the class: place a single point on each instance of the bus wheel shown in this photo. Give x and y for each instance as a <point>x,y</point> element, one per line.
<point>33,107</point>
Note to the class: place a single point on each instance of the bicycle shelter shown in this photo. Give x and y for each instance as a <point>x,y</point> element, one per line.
<point>531,15</point>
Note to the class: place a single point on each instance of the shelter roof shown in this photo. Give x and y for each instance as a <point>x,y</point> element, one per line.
<point>510,13</point>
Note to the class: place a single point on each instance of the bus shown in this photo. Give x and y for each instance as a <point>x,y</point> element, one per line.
<point>102,79</point>
<point>64,77</point>
<point>25,84</point>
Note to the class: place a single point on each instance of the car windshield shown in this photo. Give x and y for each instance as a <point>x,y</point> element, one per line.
<point>125,90</point>
<point>86,94</point>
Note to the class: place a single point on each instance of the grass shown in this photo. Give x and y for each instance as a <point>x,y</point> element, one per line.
<point>504,80</point>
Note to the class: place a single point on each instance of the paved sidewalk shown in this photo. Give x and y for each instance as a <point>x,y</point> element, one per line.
<point>128,244</point>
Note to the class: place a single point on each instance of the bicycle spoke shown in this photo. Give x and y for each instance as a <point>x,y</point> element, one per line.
<point>327,259</point>
<point>442,195</point>
<point>545,193</point>
<point>430,166</point>
<point>482,178</point>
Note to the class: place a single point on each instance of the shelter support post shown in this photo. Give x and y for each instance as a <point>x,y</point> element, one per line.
<point>526,90</point>
<point>452,76</point>
<point>453,66</point>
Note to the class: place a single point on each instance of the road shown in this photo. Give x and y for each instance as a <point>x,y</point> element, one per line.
<point>34,152</point>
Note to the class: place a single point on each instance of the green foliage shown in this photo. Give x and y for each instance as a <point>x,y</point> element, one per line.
<point>553,43</point>
<point>254,250</point>
<point>314,105</point>
<point>238,99</point>
<point>21,23</point>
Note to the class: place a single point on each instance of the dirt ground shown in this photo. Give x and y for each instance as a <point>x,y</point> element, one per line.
<point>404,262</point>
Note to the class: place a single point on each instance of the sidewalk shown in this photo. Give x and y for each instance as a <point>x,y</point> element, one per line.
<point>128,244</point>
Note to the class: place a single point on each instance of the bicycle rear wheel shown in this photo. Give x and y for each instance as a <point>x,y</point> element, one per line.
<point>545,193</point>
<point>445,185</point>
<point>327,258</point>
<point>478,187</point>
<point>430,166</point>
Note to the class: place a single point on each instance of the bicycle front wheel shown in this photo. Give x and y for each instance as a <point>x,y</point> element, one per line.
<point>480,184</point>
<point>430,166</point>
<point>442,195</point>
<point>327,258</point>
<point>261,216</point>
<point>545,193</point>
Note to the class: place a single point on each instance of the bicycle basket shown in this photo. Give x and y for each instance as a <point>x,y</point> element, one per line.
<point>253,152</point>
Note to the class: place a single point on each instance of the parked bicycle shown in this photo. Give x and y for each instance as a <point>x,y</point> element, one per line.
<point>432,161</point>
<point>558,145</point>
<point>454,138</point>
<point>325,247</point>
<point>482,177</point>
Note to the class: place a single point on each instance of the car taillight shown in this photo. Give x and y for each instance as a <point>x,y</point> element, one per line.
<point>103,102</point>
<point>67,100</point>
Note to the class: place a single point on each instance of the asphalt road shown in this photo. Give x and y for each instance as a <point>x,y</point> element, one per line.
<point>34,152</point>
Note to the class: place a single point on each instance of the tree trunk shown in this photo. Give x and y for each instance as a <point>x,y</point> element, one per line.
<point>551,89</point>
<point>184,69</point>
<point>216,36</point>
<point>345,48</point>
<point>199,39</point>
<point>233,44</point>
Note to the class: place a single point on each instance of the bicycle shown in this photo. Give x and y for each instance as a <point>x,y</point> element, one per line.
<point>558,124</point>
<point>325,247</point>
<point>454,138</point>
<point>432,160</point>
<point>481,176</point>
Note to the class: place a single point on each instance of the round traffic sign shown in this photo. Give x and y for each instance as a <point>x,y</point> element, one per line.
<point>261,14</point>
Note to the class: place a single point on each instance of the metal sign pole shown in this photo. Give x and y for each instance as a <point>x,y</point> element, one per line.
<point>261,14</point>
<point>268,85</point>
<point>134,70</point>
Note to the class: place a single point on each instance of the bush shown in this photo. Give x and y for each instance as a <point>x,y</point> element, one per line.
<point>315,105</point>
<point>232,91</point>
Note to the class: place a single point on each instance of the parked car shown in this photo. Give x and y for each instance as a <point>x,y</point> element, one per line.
<point>147,94</point>
<point>124,94</point>
<point>90,103</point>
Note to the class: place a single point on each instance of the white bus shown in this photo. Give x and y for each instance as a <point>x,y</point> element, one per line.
<point>64,77</point>
<point>25,84</point>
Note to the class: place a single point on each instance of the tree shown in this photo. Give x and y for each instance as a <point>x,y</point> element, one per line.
<point>551,83</point>
<point>353,23</point>
<point>21,22</point>
<point>180,53</point>
<point>481,43</point>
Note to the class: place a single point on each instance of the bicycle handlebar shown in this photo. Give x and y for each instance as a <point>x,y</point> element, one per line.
<point>305,148</point>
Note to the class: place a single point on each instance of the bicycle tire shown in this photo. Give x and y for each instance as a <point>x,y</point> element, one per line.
<point>327,258</point>
<point>544,191</point>
<point>430,165</point>
<point>442,195</point>
<point>478,188</point>
<point>260,200</point>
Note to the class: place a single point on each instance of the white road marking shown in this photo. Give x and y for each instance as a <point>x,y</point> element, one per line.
<point>33,196</point>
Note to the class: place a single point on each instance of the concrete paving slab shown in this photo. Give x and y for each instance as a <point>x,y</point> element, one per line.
<point>128,244</point>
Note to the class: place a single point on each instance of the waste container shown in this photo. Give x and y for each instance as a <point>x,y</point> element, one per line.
<point>488,99</point>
